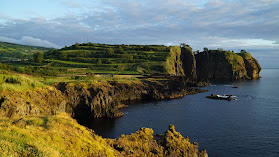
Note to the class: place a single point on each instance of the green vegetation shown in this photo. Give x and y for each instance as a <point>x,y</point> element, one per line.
<point>245,54</point>
<point>61,135</point>
<point>96,58</point>
<point>18,83</point>
<point>10,51</point>
<point>73,63</point>
<point>144,59</point>
<point>57,135</point>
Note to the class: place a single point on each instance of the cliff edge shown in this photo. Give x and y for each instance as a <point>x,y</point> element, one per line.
<point>211,64</point>
<point>218,64</point>
<point>92,100</point>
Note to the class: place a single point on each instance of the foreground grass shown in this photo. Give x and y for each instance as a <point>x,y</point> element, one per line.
<point>17,83</point>
<point>57,135</point>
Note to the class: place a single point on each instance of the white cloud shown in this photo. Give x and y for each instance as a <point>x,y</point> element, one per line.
<point>225,22</point>
<point>26,40</point>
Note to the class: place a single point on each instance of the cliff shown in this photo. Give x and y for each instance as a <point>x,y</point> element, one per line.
<point>189,63</point>
<point>181,62</point>
<point>210,65</point>
<point>216,64</point>
<point>252,66</point>
<point>60,135</point>
<point>102,99</point>
<point>173,64</point>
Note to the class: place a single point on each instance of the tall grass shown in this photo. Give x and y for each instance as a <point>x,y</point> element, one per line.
<point>17,83</point>
<point>57,135</point>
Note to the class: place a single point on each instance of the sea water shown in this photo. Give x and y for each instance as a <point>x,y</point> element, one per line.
<point>248,126</point>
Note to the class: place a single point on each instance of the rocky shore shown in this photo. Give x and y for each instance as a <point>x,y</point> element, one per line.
<point>41,109</point>
<point>102,99</point>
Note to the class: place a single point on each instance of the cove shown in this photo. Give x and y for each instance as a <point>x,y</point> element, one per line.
<point>247,126</point>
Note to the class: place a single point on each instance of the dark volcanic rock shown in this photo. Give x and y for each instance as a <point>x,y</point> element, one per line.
<point>94,100</point>
<point>189,63</point>
<point>216,64</point>
<point>104,99</point>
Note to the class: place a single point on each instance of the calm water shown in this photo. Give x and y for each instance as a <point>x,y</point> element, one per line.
<point>248,126</point>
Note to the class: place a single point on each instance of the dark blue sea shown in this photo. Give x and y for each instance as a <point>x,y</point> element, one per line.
<point>248,126</point>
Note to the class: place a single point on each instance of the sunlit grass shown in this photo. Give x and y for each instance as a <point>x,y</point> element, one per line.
<point>18,83</point>
<point>57,135</point>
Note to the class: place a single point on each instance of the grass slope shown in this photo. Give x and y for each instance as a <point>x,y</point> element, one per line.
<point>17,51</point>
<point>57,135</point>
<point>18,83</point>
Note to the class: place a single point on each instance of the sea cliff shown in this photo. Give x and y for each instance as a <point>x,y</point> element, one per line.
<point>93,100</point>
<point>211,64</point>
<point>217,64</point>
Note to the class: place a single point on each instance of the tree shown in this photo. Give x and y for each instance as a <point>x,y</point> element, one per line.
<point>183,45</point>
<point>110,52</point>
<point>120,48</point>
<point>21,57</point>
<point>99,62</point>
<point>62,55</point>
<point>38,57</point>
<point>76,46</point>
<point>205,49</point>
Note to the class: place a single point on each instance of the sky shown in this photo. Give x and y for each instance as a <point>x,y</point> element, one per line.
<point>252,25</point>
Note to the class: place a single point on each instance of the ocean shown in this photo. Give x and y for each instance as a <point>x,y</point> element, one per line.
<point>248,126</point>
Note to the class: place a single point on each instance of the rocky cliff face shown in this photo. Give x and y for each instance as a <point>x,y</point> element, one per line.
<point>216,64</point>
<point>32,102</point>
<point>104,99</point>
<point>252,66</point>
<point>94,100</point>
<point>181,62</point>
<point>212,64</point>
<point>174,63</point>
<point>189,63</point>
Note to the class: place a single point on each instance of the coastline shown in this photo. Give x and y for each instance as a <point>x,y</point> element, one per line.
<point>102,99</point>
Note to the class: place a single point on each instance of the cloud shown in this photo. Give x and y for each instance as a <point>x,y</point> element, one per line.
<point>26,40</point>
<point>229,23</point>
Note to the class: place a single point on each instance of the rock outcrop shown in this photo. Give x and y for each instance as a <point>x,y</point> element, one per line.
<point>211,65</point>
<point>181,62</point>
<point>94,100</point>
<point>189,63</point>
<point>105,98</point>
<point>174,64</point>
<point>145,143</point>
<point>33,102</point>
<point>252,66</point>
<point>216,64</point>
<point>61,135</point>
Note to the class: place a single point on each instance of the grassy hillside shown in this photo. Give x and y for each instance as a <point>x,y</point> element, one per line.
<point>17,83</point>
<point>12,51</point>
<point>138,59</point>
<point>58,135</point>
